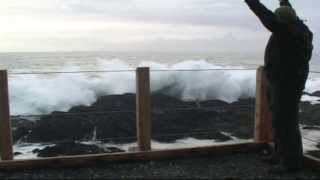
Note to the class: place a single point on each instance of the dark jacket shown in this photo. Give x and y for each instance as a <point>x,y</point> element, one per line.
<point>289,49</point>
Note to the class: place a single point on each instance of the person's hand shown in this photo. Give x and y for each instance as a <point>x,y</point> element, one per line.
<point>251,1</point>
<point>284,3</point>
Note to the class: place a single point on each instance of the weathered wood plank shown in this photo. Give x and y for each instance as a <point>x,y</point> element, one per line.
<point>100,159</point>
<point>143,108</point>
<point>263,121</point>
<point>5,123</point>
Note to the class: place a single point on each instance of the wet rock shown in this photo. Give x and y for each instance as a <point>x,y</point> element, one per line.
<point>112,119</point>
<point>17,153</point>
<point>113,150</point>
<point>317,93</point>
<point>69,148</point>
<point>309,114</point>
<point>60,126</point>
<point>21,128</point>
<point>36,151</point>
<point>315,153</point>
<point>311,128</point>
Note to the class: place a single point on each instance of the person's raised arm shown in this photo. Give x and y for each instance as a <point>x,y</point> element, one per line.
<point>267,17</point>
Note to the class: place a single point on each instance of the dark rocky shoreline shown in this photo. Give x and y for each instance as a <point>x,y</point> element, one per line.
<point>111,118</point>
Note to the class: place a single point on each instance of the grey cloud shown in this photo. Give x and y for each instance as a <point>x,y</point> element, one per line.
<point>227,13</point>
<point>198,12</point>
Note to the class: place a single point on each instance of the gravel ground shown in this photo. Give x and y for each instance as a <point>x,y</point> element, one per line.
<point>244,166</point>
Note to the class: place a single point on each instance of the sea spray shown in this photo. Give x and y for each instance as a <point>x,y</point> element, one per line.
<point>43,94</point>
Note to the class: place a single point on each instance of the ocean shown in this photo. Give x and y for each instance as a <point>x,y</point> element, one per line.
<point>33,93</point>
<point>187,75</point>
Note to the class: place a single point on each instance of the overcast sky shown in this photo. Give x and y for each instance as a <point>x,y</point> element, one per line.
<point>159,25</point>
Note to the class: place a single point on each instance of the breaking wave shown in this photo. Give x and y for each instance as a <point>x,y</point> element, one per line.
<point>42,94</point>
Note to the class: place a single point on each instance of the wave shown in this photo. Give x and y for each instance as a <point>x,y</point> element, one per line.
<point>43,94</point>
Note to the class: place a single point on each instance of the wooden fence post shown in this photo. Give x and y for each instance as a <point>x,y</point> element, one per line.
<point>263,119</point>
<point>5,124</point>
<point>143,108</point>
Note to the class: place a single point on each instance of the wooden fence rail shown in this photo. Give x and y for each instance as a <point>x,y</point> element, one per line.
<point>5,123</point>
<point>263,124</point>
<point>143,108</point>
<point>263,133</point>
<point>104,159</point>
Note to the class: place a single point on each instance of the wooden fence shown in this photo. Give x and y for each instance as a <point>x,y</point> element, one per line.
<point>262,138</point>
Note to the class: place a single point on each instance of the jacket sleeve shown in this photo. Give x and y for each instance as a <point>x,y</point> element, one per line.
<point>267,17</point>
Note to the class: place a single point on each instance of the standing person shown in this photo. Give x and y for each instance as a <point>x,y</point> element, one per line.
<point>287,57</point>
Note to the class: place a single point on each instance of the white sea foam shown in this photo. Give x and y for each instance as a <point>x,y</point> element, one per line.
<point>27,150</point>
<point>313,85</point>
<point>311,138</point>
<point>312,99</point>
<point>41,94</point>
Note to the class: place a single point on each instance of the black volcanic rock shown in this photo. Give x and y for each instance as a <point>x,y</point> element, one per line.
<point>317,93</point>
<point>61,126</point>
<point>21,128</point>
<point>314,153</point>
<point>17,153</point>
<point>125,102</point>
<point>213,103</point>
<point>72,148</point>
<point>309,114</point>
<point>36,151</point>
<point>112,118</point>
<point>312,128</point>
<point>161,101</point>
<point>113,150</point>
<point>171,119</point>
<point>174,124</point>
